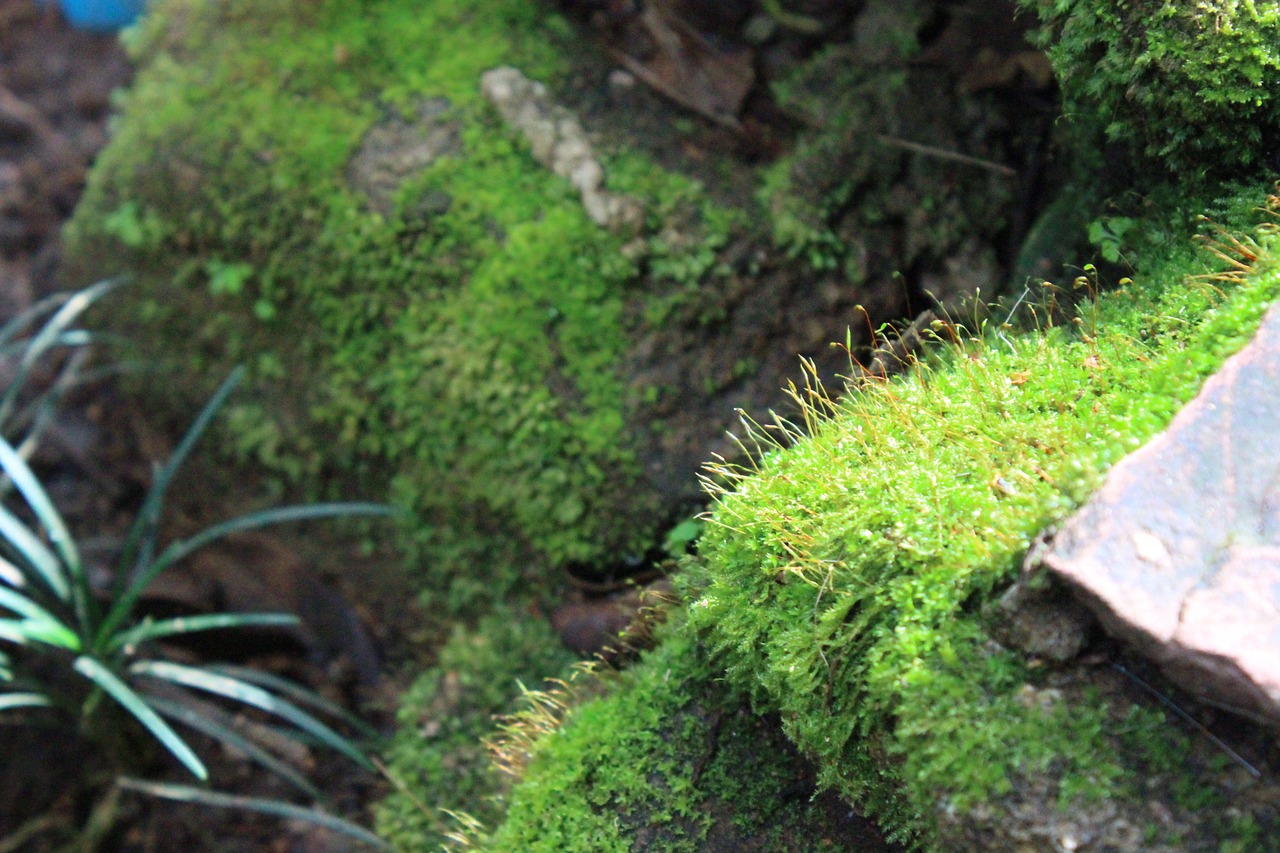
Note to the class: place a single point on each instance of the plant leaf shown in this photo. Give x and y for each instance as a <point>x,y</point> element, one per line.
<point>191,794</point>
<point>40,559</point>
<point>24,631</point>
<point>249,694</point>
<point>148,630</point>
<point>297,692</point>
<point>12,631</point>
<point>9,701</point>
<point>265,518</point>
<point>136,705</point>
<point>206,723</point>
<point>23,606</point>
<point>129,596</point>
<point>47,337</point>
<point>140,543</point>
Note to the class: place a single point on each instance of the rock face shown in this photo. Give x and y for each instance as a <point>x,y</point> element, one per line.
<point>1179,552</point>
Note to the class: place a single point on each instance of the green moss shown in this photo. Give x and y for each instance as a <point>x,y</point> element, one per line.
<point>854,197</point>
<point>1192,86</point>
<point>437,752</point>
<point>457,341</point>
<point>668,760</point>
<point>842,578</point>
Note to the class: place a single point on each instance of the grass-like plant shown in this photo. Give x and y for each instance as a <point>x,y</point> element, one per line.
<point>65,645</point>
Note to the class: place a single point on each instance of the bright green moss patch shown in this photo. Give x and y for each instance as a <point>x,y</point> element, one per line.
<point>437,752</point>
<point>455,337</point>
<point>843,578</point>
<point>669,760</point>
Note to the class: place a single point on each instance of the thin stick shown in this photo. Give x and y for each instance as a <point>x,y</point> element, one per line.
<point>1185,717</point>
<point>945,154</point>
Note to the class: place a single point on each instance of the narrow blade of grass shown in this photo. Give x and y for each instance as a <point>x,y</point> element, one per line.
<point>9,701</point>
<point>48,337</point>
<point>300,694</point>
<point>205,721</point>
<point>139,545</point>
<point>249,694</point>
<point>147,631</point>
<point>190,794</point>
<point>128,596</point>
<point>59,576</point>
<point>138,707</point>
<point>21,605</point>
<point>26,631</point>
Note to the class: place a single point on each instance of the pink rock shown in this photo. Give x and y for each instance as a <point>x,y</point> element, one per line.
<point>1179,552</point>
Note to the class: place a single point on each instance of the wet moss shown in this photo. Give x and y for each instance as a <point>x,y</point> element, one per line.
<point>437,755</point>
<point>454,342</point>
<point>844,577</point>
<point>1189,87</point>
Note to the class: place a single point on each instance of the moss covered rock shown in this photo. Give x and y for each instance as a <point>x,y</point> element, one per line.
<point>438,757</point>
<point>319,191</point>
<point>671,759</point>
<point>846,585</point>
<point>1189,85</point>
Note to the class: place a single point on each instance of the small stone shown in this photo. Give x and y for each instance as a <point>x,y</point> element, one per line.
<point>621,79</point>
<point>1179,552</point>
<point>557,141</point>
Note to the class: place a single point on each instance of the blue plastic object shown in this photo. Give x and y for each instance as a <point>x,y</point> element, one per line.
<point>101,15</point>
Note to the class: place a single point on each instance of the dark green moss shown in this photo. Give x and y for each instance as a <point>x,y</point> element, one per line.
<point>670,759</point>
<point>1190,86</point>
<point>437,752</point>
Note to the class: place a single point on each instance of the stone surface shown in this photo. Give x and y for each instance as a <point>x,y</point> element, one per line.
<point>1179,552</point>
<point>559,143</point>
<point>396,149</point>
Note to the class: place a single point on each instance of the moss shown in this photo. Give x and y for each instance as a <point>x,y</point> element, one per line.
<point>842,578</point>
<point>456,341</point>
<point>853,196</point>
<point>437,753</point>
<point>670,760</point>
<point>1190,86</point>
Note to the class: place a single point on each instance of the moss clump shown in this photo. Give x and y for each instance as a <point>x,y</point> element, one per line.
<point>863,196</point>
<point>670,760</point>
<point>842,578</point>
<point>455,333</point>
<point>1191,86</point>
<point>437,752</point>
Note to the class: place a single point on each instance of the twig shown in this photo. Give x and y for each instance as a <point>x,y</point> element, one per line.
<point>946,154</point>
<point>30,117</point>
<point>1187,718</point>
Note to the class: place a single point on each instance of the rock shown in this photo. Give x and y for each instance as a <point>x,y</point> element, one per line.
<point>559,143</point>
<point>1179,552</point>
<point>396,149</point>
<point>1042,621</point>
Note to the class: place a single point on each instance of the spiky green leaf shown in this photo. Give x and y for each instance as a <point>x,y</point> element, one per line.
<point>9,701</point>
<point>249,694</point>
<point>148,630</point>
<point>144,575</point>
<point>190,794</point>
<point>296,692</point>
<point>138,707</point>
<point>212,722</point>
